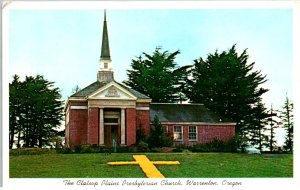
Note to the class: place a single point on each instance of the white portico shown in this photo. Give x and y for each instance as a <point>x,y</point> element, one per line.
<point>112,100</point>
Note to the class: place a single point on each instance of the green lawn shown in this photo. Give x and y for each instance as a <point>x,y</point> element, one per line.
<point>198,165</point>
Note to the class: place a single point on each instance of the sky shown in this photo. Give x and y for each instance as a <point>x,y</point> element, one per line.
<point>64,45</point>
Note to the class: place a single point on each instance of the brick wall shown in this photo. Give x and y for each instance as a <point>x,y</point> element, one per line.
<point>206,133</point>
<point>93,126</point>
<point>143,119</point>
<point>67,136</point>
<point>77,126</point>
<point>83,103</point>
<point>130,126</point>
<point>209,133</point>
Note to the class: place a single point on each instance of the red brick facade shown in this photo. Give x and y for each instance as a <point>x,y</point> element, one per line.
<point>143,120</point>
<point>130,126</point>
<point>82,126</point>
<point>205,133</point>
<point>76,128</point>
<point>93,126</point>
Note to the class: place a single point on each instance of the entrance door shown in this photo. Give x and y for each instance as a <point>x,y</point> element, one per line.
<point>110,135</point>
<point>114,135</point>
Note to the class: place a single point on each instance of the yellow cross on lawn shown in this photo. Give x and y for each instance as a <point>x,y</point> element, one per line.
<point>147,166</point>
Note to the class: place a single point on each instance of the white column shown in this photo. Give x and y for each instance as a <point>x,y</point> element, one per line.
<point>123,127</point>
<point>101,127</point>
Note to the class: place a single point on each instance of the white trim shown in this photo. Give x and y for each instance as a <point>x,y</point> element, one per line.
<point>66,107</point>
<point>101,127</point>
<point>111,106</point>
<point>79,107</point>
<point>193,140</point>
<point>115,85</point>
<point>110,98</point>
<point>67,117</point>
<point>73,99</point>
<point>166,128</point>
<point>123,126</point>
<point>80,99</point>
<point>182,137</point>
<point>144,100</point>
<point>189,104</point>
<point>143,108</point>
<point>196,123</point>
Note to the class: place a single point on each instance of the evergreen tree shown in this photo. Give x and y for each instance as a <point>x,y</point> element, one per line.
<point>158,76</point>
<point>140,134</point>
<point>273,124</point>
<point>14,109</point>
<point>39,111</point>
<point>288,123</point>
<point>226,83</point>
<point>257,127</point>
<point>76,89</point>
<point>158,136</point>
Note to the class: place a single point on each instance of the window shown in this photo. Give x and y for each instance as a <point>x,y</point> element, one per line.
<point>105,65</point>
<point>178,133</point>
<point>166,129</point>
<point>193,133</point>
<point>110,120</point>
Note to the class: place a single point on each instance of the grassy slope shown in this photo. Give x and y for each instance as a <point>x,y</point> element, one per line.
<point>192,165</point>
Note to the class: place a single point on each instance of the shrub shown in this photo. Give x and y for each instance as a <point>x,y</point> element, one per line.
<point>76,149</point>
<point>123,149</point>
<point>31,151</point>
<point>155,149</point>
<point>216,145</point>
<point>177,150</point>
<point>140,134</point>
<point>200,148</point>
<point>142,147</point>
<point>64,150</point>
<point>231,145</point>
<point>86,148</point>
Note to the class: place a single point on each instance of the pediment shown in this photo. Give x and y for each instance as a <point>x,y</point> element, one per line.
<point>112,91</point>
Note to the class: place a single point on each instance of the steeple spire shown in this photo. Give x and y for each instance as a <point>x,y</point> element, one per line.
<point>105,43</point>
<point>105,73</point>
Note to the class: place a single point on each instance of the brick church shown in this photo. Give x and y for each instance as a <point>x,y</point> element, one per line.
<point>107,112</point>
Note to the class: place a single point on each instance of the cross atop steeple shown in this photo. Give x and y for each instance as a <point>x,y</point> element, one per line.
<point>105,73</point>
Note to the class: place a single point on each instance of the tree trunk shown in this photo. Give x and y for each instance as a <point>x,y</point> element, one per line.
<point>12,136</point>
<point>19,139</point>
<point>260,139</point>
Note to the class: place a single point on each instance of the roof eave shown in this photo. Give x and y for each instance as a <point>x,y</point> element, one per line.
<point>197,123</point>
<point>144,100</point>
<point>77,99</point>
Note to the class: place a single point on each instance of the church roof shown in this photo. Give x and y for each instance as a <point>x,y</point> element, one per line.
<point>96,85</point>
<point>134,92</point>
<point>167,112</point>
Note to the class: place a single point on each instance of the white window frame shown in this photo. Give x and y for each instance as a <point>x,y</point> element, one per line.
<point>166,128</point>
<point>175,132</point>
<point>196,139</point>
